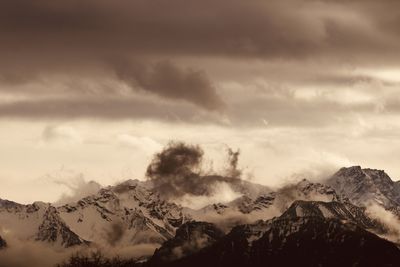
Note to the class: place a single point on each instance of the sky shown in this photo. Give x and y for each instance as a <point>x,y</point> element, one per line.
<point>90,90</point>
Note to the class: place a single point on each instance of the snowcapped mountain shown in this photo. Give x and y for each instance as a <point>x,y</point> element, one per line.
<point>301,214</point>
<point>305,235</point>
<point>126,214</point>
<point>38,221</point>
<point>268,204</point>
<point>367,186</point>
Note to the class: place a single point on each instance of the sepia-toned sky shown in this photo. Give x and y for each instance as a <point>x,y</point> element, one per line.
<point>90,90</point>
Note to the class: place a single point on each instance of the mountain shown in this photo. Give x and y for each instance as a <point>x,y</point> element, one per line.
<point>344,212</point>
<point>367,186</point>
<point>305,235</point>
<point>265,205</point>
<point>54,230</point>
<point>125,214</point>
<point>129,213</point>
<point>38,221</point>
<point>190,238</point>
<point>319,224</point>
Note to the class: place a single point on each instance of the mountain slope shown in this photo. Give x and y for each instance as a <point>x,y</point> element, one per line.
<point>296,239</point>
<point>126,214</point>
<point>38,221</point>
<point>190,238</point>
<point>367,186</point>
<point>250,208</point>
<point>344,212</point>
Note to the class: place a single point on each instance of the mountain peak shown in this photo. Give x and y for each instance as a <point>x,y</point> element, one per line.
<point>365,172</point>
<point>54,230</point>
<point>365,186</point>
<point>350,171</point>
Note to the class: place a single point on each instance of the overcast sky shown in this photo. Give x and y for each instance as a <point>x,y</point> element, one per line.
<point>90,90</point>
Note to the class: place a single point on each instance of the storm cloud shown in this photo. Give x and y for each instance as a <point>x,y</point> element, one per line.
<point>175,171</point>
<point>64,54</point>
<point>293,28</point>
<point>167,80</point>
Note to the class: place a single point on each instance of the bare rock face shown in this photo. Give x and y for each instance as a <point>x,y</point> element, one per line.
<point>367,186</point>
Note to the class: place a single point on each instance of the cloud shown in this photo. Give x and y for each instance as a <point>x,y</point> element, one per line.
<point>177,173</point>
<point>167,80</point>
<point>106,108</point>
<point>146,144</point>
<point>220,192</point>
<point>174,56</point>
<point>256,28</point>
<point>175,170</point>
<point>63,134</point>
<point>388,219</point>
<point>27,253</point>
<point>75,182</point>
<point>233,159</point>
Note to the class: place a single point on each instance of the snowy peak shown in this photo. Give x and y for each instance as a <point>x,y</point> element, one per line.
<point>38,221</point>
<point>54,230</point>
<point>126,214</point>
<point>366,186</point>
<point>316,191</point>
<point>265,206</point>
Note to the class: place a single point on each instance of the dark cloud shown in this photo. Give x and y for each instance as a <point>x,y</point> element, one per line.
<point>175,171</point>
<point>233,160</point>
<point>146,45</point>
<point>105,108</point>
<point>167,80</point>
<point>256,28</point>
<point>261,111</point>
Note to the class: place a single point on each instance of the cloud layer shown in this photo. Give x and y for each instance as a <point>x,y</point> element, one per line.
<point>69,59</point>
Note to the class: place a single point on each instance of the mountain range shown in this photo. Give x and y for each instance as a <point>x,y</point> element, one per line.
<point>311,224</point>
